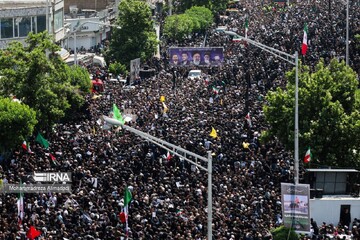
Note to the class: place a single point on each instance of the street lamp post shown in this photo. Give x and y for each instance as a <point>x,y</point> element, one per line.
<point>294,60</point>
<point>296,151</point>
<point>79,28</point>
<point>182,153</point>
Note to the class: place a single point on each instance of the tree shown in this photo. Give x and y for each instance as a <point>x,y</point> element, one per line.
<point>214,6</point>
<point>17,122</point>
<point>329,118</point>
<point>41,79</point>
<point>218,6</point>
<point>117,68</point>
<point>202,15</point>
<point>196,19</point>
<point>178,27</point>
<point>137,37</point>
<point>357,41</point>
<point>281,233</point>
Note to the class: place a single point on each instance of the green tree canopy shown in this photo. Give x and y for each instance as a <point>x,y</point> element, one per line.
<point>196,19</point>
<point>117,68</point>
<point>282,233</point>
<point>357,41</point>
<point>17,122</point>
<point>329,117</point>
<point>178,26</point>
<point>214,6</point>
<point>137,37</point>
<point>41,79</point>
<point>202,15</point>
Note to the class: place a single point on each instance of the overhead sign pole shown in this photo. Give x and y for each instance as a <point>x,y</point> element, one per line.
<point>294,60</point>
<point>182,153</point>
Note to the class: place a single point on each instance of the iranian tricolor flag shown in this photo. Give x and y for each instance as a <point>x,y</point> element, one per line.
<point>304,43</point>
<point>248,119</point>
<point>246,27</point>
<point>308,156</point>
<point>215,90</point>
<point>20,207</point>
<point>26,147</point>
<point>168,156</point>
<point>127,200</point>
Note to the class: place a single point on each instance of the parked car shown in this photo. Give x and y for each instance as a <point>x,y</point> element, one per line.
<point>194,74</point>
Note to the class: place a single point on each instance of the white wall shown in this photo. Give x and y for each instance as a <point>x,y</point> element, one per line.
<point>85,40</point>
<point>327,209</point>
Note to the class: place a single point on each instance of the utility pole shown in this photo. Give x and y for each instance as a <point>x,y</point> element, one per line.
<point>47,16</point>
<point>170,7</point>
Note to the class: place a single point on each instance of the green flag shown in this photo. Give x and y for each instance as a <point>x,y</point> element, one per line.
<point>127,197</point>
<point>117,114</point>
<point>40,139</point>
<point>246,27</point>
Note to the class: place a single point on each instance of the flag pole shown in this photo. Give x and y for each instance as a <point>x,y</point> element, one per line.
<point>296,152</point>
<point>126,218</point>
<point>209,210</point>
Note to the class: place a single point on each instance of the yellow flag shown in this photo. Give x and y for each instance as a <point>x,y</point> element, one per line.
<point>245,145</point>
<point>165,108</point>
<point>1,184</point>
<point>162,99</point>
<point>213,133</point>
<point>93,131</point>
<point>96,96</point>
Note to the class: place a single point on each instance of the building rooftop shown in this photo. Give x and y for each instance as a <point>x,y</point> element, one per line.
<point>11,4</point>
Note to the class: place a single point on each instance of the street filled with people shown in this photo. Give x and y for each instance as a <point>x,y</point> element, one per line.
<point>169,194</point>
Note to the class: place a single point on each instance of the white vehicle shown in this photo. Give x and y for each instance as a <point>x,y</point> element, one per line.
<point>194,74</point>
<point>99,61</point>
<point>221,29</point>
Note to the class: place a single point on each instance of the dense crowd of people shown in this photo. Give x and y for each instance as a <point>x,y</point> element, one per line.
<point>169,195</point>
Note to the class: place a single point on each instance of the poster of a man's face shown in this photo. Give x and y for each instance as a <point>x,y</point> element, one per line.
<point>207,59</point>
<point>196,58</point>
<point>184,59</point>
<point>175,59</point>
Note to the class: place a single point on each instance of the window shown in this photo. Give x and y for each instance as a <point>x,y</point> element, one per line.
<point>33,24</point>
<point>58,20</point>
<point>41,23</point>
<point>7,28</point>
<point>24,26</point>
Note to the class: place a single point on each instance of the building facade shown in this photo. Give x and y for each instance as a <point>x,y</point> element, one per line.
<point>85,33</point>
<point>18,18</point>
<point>97,5</point>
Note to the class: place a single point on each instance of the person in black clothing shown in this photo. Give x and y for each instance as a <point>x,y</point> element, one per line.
<point>345,217</point>
<point>315,227</point>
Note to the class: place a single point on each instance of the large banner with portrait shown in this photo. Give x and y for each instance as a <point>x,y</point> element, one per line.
<point>201,56</point>
<point>295,206</point>
<point>134,70</point>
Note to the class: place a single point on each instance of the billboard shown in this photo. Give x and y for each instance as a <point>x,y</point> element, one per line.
<point>201,56</point>
<point>295,201</point>
<point>134,70</point>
